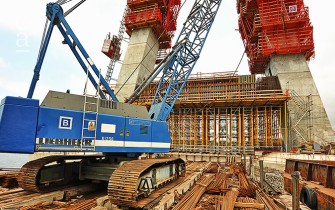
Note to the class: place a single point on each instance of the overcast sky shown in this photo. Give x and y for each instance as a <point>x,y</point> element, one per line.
<point>22,23</point>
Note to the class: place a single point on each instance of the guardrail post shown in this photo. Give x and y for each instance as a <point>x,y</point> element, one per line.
<point>261,173</point>
<point>295,190</point>
<point>245,161</point>
<point>250,164</point>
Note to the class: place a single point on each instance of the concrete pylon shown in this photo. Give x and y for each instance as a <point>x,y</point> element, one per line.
<point>138,63</point>
<point>308,118</point>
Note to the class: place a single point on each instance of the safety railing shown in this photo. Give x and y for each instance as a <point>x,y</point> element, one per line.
<point>217,95</point>
<point>220,149</point>
<point>296,40</point>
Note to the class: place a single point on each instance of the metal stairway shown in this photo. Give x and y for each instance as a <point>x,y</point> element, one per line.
<point>302,125</point>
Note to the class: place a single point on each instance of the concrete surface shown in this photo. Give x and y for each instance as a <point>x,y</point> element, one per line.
<point>140,58</point>
<point>294,74</point>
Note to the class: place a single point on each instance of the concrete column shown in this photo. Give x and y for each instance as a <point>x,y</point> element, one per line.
<point>293,73</point>
<point>138,63</point>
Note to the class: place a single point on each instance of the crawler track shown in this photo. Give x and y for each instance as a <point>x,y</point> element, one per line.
<point>30,173</point>
<point>123,184</point>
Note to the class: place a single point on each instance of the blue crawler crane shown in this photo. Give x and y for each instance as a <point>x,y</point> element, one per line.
<point>108,132</point>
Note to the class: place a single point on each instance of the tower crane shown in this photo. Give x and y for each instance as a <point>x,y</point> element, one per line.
<point>65,122</point>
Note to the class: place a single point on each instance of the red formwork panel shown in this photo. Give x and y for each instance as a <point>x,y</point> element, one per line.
<point>251,6</point>
<point>282,13</point>
<point>289,41</point>
<point>149,18</point>
<point>138,4</point>
<point>245,27</point>
<point>161,16</point>
<point>270,27</point>
<point>247,8</point>
<point>172,3</point>
<point>257,61</point>
<point>258,66</point>
<point>165,44</point>
<point>143,19</point>
<point>170,22</point>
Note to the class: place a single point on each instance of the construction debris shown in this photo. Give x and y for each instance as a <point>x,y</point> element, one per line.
<point>274,182</point>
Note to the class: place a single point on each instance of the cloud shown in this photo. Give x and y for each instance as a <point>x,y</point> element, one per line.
<point>11,87</point>
<point>3,63</point>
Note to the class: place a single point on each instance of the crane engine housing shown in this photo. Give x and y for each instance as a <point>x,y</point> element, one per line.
<point>58,125</point>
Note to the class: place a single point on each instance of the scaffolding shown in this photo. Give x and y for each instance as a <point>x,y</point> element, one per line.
<point>271,27</point>
<point>160,15</point>
<point>226,113</point>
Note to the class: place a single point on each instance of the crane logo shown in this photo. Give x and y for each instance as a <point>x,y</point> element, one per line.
<point>65,122</point>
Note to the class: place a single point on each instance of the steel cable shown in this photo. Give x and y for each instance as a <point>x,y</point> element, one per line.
<point>43,37</point>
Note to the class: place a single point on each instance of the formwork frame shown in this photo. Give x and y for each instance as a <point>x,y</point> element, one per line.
<point>226,112</point>
<point>226,128</point>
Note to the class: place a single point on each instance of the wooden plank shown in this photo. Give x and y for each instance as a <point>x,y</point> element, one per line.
<point>11,191</point>
<point>249,205</point>
<point>48,198</point>
<point>44,199</point>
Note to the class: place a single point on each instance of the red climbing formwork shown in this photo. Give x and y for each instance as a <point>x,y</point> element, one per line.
<point>139,4</point>
<point>150,17</point>
<point>170,23</point>
<point>282,14</point>
<point>289,41</point>
<point>270,27</point>
<point>161,16</point>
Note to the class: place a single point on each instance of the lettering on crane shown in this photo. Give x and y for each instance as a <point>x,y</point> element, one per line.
<point>65,142</point>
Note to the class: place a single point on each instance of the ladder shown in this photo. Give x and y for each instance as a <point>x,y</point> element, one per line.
<point>90,117</point>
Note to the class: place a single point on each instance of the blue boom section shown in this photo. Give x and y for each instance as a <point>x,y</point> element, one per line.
<point>26,128</point>
<point>55,15</point>
<point>179,66</point>
<point>18,119</point>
